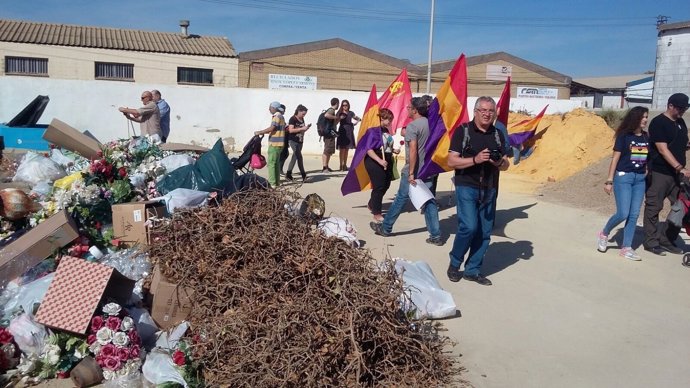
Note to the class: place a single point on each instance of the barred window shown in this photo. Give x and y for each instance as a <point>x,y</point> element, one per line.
<point>26,66</point>
<point>190,75</point>
<point>115,71</point>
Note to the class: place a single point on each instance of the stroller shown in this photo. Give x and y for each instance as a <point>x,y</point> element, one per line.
<point>680,212</point>
<point>242,162</point>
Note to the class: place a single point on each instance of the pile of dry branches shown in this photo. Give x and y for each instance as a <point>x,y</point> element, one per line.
<point>278,304</point>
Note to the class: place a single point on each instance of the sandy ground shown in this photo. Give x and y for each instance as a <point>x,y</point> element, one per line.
<point>559,313</point>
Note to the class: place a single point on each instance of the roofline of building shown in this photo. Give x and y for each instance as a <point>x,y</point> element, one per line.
<point>674,26</point>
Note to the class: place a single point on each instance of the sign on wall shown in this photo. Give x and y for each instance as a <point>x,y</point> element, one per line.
<point>286,81</point>
<point>537,92</point>
<point>498,72</point>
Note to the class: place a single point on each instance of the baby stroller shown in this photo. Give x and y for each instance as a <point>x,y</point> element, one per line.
<point>680,212</point>
<point>243,163</point>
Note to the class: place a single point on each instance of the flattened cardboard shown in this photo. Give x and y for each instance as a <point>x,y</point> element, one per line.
<point>35,245</point>
<point>171,304</point>
<point>63,135</point>
<point>77,290</point>
<point>180,147</point>
<point>129,221</point>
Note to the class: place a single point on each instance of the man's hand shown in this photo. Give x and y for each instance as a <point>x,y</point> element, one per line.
<point>411,180</point>
<point>482,156</point>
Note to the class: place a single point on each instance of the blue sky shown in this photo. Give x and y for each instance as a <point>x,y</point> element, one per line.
<point>577,38</point>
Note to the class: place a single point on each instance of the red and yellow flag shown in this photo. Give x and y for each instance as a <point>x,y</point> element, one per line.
<point>396,98</point>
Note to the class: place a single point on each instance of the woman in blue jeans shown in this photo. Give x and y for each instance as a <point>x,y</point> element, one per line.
<point>626,179</point>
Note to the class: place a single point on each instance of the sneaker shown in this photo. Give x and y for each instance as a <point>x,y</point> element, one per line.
<point>304,177</point>
<point>288,176</point>
<point>656,250</point>
<point>378,229</point>
<point>602,242</point>
<point>325,170</point>
<point>454,274</point>
<point>629,254</point>
<point>329,169</point>
<point>435,241</point>
<point>672,249</point>
<point>480,279</point>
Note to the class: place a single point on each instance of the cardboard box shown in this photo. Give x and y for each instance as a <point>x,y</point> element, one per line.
<point>130,221</point>
<point>180,147</point>
<point>69,138</point>
<point>171,304</point>
<point>77,290</point>
<point>35,245</point>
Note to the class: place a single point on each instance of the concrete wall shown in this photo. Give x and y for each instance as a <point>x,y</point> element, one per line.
<point>78,63</point>
<point>609,102</point>
<point>672,66</point>
<point>200,115</point>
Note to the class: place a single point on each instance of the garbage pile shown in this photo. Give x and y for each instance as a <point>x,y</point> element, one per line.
<point>278,304</point>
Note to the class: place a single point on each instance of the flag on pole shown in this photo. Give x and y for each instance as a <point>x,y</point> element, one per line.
<point>396,98</point>
<point>447,111</point>
<point>357,178</point>
<point>502,110</point>
<point>524,130</point>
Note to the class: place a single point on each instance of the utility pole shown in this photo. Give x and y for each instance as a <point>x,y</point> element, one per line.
<point>661,20</point>
<point>431,44</point>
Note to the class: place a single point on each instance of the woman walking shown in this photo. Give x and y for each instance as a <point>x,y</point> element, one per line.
<point>296,129</point>
<point>346,132</point>
<point>626,178</point>
<point>379,162</point>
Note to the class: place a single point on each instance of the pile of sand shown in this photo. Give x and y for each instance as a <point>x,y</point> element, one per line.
<point>569,144</point>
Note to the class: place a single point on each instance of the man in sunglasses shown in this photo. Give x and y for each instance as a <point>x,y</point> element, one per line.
<point>148,116</point>
<point>668,138</point>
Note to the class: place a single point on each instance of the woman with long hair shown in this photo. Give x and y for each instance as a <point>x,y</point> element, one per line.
<point>626,178</point>
<point>296,129</point>
<point>346,132</point>
<point>379,162</point>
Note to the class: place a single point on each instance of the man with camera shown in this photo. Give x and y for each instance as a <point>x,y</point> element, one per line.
<point>476,154</point>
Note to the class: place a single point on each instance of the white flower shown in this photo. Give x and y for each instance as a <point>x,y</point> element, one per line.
<point>121,339</point>
<point>51,353</point>
<point>108,375</point>
<point>95,348</point>
<point>112,309</point>
<point>127,324</point>
<point>104,336</point>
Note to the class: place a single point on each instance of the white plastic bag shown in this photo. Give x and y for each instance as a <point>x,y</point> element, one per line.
<point>29,335</point>
<point>159,368</point>
<point>175,161</point>
<point>36,168</point>
<point>430,300</point>
<point>169,339</point>
<point>28,294</point>
<point>340,228</point>
<point>146,327</point>
<point>58,157</point>
<point>131,380</point>
<point>183,198</point>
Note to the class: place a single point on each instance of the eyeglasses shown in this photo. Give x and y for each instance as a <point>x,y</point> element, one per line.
<point>486,111</point>
<point>144,97</point>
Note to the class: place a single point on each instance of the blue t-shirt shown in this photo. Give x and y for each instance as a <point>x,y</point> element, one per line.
<point>633,151</point>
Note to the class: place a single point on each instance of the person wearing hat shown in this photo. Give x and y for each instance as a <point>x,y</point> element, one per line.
<point>668,138</point>
<point>276,139</point>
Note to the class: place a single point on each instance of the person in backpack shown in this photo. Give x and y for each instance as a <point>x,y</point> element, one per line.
<point>477,163</point>
<point>328,134</point>
<point>276,139</point>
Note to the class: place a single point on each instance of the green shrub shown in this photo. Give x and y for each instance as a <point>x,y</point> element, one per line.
<point>612,117</point>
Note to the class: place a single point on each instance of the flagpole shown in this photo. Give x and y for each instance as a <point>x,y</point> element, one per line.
<point>431,44</point>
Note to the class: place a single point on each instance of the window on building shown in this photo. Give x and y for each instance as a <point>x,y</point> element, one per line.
<point>115,71</point>
<point>26,66</point>
<point>190,75</point>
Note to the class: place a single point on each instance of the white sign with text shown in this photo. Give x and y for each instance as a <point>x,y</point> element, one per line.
<point>537,92</point>
<point>286,81</point>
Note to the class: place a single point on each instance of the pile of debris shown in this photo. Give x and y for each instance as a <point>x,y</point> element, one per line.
<point>278,304</point>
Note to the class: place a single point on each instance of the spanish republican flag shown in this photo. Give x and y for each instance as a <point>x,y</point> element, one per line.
<point>447,112</point>
<point>524,130</point>
<point>503,106</point>
<point>357,178</point>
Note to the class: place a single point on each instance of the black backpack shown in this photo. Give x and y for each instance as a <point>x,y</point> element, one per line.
<point>324,126</point>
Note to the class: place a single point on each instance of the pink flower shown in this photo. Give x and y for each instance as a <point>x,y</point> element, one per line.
<point>91,339</point>
<point>108,350</point>
<point>134,337</point>
<point>123,354</point>
<point>113,323</point>
<point>63,374</point>
<point>134,351</point>
<point>5,336</point>
<point>96,323</point>
<point>112,363</point>
<point>178,358</point>
<point>100,360</point>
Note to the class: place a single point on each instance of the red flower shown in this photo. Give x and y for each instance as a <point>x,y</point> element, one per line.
<point>5,336</point>
<point>100,360</point>
<point>178,358</point>
<point>123,354</point>
<point>113,323</point>
<point>134,351</point>
<point>99,154</point>
<point>63,374</point>
<point>108,350</point>
<point>134,337</point>
<point>402,142</point>
<point>112,363</point>
<point>91,339</point>
<point>96,323</point>
<point>122,172</point>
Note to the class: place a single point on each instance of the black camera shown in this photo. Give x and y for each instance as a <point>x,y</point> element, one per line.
<point>495,155</point>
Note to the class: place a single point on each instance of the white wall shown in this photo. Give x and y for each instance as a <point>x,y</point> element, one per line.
<point>199,115</point>
<point>672,73</point>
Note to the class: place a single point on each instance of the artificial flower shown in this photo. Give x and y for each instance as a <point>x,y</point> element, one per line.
<point>104,336</point>
<point>120,339</point>
<point>127,324</point>
<point>113,323</point>
<point>112,309</point>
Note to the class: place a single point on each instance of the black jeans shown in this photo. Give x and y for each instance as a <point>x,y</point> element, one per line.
<point>296,157</point>
<point>380,181</point>
<point>659,187</point>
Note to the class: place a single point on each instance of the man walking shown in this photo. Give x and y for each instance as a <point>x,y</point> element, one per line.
<point>164,110</point>
<point>475,156</point>
<point>328,139</point>
<point>276,138</point>
<point>148,116</point>
<point>416,136</point>
<point>668,137</point>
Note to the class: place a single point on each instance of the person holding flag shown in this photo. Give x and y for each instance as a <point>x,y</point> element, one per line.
<point>416,136</point>
<point>475,154</point>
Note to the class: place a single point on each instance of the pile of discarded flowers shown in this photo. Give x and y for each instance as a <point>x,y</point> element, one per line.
<point>278,304</point>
